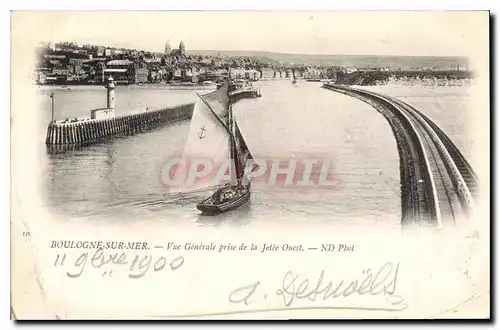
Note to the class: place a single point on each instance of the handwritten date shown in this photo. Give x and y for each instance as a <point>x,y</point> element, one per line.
<point>137,266</point>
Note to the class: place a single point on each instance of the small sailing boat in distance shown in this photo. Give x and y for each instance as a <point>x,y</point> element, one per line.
<point>214,135</point>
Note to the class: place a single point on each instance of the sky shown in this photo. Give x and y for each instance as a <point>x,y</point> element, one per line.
<point>317,32</point>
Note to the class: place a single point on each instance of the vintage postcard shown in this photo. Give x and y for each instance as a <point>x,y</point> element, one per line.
<point>250,165</point>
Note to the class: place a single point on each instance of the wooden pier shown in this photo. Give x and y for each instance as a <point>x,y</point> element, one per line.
<point>94,130</point>
<point>81,132</point>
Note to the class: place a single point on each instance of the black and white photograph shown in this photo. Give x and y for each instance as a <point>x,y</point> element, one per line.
<point>214,163</point>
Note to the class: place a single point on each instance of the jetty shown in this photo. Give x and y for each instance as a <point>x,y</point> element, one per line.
<point>104,124</point>
<point>438,185</point>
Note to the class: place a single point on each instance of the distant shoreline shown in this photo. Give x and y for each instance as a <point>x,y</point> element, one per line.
<point>133,86</point>
<point>360,83</point>
<point>392,61</point>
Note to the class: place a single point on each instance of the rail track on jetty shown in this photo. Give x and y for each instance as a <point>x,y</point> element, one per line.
<point>438,185</point>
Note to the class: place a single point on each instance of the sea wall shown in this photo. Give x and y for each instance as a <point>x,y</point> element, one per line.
<point>371,78</point>
<point>88,131</point>
<point>93,130</point>
<point>243,94</point>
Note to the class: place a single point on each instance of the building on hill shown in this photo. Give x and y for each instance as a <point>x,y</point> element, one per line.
<point>181,52</point>
<point>182,48</point>
<point>93,69</point>
<point>126,72</point>
<point>267,73</point>
<point>168,48</point>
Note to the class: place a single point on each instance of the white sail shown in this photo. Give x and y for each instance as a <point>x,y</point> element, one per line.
<point>208,142</point>
<point>219,101</point>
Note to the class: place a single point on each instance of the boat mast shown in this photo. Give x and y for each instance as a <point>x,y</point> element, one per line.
<point>229,111</point>
<point>234,157</point>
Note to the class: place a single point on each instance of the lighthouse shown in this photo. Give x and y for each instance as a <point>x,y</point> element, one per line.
<point>110,88</point>
<point>109,111</point>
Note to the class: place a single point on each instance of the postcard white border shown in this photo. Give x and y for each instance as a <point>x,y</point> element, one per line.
<point>151,5</point>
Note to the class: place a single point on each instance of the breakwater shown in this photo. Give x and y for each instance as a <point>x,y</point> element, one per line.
<point>93,130</point>
<point>438,185</point>
<point>81,132</point>
<point>243,94</point>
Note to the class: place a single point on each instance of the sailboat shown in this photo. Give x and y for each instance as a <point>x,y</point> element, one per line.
<point>215,136</point>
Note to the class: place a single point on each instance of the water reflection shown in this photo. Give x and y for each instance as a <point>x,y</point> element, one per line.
<point>119,180</point>
<point>64,148</point>
<point>236,218</point>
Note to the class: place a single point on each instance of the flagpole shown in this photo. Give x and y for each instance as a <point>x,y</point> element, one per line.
<point>52,101</point>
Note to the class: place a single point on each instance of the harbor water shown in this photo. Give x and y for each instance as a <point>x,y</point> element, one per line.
<point>120,180</point>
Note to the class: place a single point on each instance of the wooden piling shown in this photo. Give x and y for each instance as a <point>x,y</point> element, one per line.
<point>82,133</point>
<point>50,129</point>
<point>59,135</point>
<point>96,130</point>
<point>70,137</point>
<point>106,127</point>
<point>47,137</point>
<point>64,134</point>
<point>103,133</point>
<point>78,133</point>
<point>87,131</point>
<point>75,132</point>
<point>70,134</point>
<point>92,131</point>
<point>52,134</point>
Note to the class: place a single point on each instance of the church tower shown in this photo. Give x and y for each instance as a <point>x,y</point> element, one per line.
<point>182,48</point>
<point>168,49</point>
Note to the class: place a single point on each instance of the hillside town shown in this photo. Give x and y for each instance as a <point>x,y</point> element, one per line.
<point>68,63</point>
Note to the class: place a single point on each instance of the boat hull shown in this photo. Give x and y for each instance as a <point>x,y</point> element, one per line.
<point>214,209</point>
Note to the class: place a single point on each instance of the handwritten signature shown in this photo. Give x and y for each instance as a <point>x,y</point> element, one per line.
<point>137,266</point>
<point>294,287</point>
